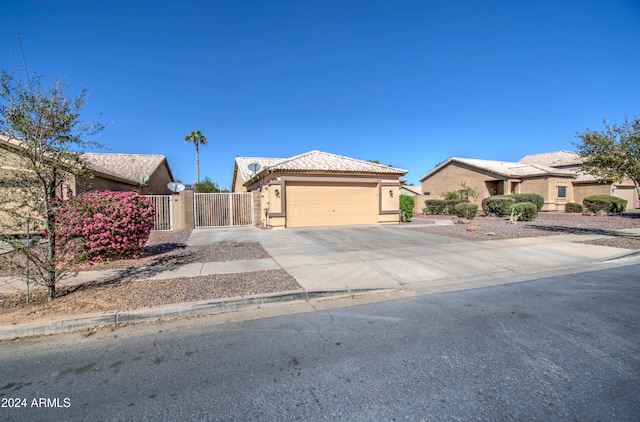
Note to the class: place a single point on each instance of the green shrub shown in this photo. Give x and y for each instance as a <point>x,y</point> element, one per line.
<point>534,198</point>
<point>573,207</point>
<point>451,196</point>
<point>466,210</point>
<point>607,203</point>
<point>407,203</point>
<point>499,205</point>
<point>441,206</point>
<point>524,211</point>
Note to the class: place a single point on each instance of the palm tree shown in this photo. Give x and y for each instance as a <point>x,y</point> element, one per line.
<point>197,138</point>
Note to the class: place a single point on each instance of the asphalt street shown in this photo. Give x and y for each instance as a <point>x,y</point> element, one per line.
<point>559,348</point>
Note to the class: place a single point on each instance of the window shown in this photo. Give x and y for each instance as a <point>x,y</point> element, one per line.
<point>464,195</point>
<point>562,191</point>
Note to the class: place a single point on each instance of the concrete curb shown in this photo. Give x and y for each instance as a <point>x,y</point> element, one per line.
<point>171,311</point>
<point>623,256</point>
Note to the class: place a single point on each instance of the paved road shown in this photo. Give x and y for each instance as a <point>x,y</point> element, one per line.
<point>562,348</point>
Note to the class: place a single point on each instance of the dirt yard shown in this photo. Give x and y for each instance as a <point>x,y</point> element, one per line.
<point>163,248</point>
<point>169,248</point>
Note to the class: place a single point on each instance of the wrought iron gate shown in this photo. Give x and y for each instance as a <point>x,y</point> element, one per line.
<point>163,216</point>
<point>222,209</point>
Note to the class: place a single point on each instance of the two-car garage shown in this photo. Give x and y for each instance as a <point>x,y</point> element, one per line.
<point>319,189</point>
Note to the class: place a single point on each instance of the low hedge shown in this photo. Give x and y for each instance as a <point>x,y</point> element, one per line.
<point>534,198</point>
<point>466,210</point>
<point>607,203</point>
<point>524,211</point>
<point>499,205</point>
<point>441,206</point>
<point>574,207</point>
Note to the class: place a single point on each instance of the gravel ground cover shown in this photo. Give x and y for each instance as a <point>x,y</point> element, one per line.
<point>169,248</point>
<point>163,248</point>
<point>546,224</point>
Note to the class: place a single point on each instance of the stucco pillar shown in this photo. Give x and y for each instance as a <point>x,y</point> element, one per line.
<point>182,210</point>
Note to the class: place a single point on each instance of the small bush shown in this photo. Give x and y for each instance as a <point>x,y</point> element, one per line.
<point>534,198</point>
<point>499,205</point>
<point>607,203</point>
<point>573,207</point>
<point>96,226</point>
<point>524,211</point>
<point>407,203</point>
<point>451,196</point>
<point>441,206</point>
<point>466,210</point>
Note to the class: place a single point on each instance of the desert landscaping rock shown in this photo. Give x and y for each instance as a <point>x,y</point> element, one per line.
<point>169,248</point>
<point>545,224</point>
<point>135,294</point>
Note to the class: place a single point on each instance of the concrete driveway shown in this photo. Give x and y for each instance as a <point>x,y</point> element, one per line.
<point>370,257</point>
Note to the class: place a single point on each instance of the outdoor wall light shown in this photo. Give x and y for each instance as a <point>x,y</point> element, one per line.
<point>390,193</point>
<point>277,193</point>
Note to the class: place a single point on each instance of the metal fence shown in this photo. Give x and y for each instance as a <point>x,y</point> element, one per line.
<point>163,216</point>
<point>222,209</point>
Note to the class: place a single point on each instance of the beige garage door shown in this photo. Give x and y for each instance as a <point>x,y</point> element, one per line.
<point>625,193</point>
<point>330,205</point>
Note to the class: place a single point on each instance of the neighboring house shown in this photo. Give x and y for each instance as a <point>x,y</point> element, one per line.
<point>320,189</point>
<point>585,184</point>
<point>123,172</point>
<point>557,177</point>
<point>116,172</point>
<point>410,190</point>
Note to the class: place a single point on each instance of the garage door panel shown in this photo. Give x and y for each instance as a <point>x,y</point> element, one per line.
<point>324,205</point>
<point>626,194</point>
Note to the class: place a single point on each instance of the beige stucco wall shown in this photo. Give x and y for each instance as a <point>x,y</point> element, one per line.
<point>582,190</point>
<point>12,176</point>
<point>272,191</point>
<point>453,176</point>
<point>156,185</point>
<point>158,180</point>
<point>547,187</point>
<point>100,184</point>
<point>237,185</point>
<point>450,179</point>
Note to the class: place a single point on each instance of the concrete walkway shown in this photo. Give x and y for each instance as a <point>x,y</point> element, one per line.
<point>357,258</point>
<point>366,257</point>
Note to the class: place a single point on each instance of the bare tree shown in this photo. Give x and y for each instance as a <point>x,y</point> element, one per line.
<point>43,140</point>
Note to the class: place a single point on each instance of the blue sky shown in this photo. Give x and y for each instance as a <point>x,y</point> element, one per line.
<point>409,83</point>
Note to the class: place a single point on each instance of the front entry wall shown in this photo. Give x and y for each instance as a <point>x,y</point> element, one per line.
<point>309,204</point>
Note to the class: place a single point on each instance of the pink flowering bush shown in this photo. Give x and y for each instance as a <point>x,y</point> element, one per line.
<point>103,225</point>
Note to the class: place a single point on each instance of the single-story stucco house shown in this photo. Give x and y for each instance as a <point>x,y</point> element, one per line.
<point>556,176</point>
<point>123,172</point>
<point>319,189</point>
<point>586,184</point>
<point>115,172</point>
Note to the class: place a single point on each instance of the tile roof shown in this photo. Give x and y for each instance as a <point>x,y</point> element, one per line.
<point>124,166</point>
<point>128,167</point>
<point>316,161</point>
<point>504,168</point>
<point>243,165</point>
<point>553,159</point>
